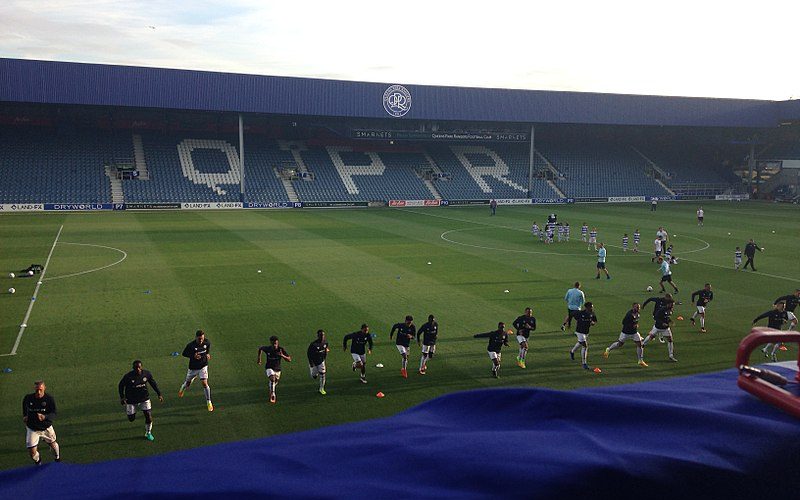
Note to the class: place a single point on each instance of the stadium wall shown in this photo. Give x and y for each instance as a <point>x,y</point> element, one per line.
<point>48,82</point>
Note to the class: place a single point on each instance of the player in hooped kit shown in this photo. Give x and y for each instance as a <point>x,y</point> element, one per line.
<point>637,236</point>
<point>584,231</point>
<point>358,350</point>
<point>199,353</point>
<point>272,367</point>
<point>405,333</point>
<point>661,327</point>
<point>583,321</point>
<point>38,413</point>
<point>524,324</point>
<point>317,353</point>
<point>133,394</point>
<point>630,331</point>
<point>497,339</point>
<point>704,296</point>
<point>592,239</point>
<point>429,333</point>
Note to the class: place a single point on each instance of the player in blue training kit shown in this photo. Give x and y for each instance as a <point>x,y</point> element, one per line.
<point>601,261</point>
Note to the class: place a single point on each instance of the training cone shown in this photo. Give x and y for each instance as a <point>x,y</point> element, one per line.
<point>597,370</point>
<point>380,395</point>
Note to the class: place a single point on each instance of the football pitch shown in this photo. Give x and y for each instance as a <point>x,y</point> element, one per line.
<point>121,286</point>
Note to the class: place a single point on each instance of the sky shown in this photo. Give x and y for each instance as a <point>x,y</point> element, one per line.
<point>702,48</point>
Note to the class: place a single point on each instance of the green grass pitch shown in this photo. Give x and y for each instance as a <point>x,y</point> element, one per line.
<point>190,270</point>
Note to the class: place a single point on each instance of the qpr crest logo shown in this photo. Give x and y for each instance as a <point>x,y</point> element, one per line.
<point>397,100</point>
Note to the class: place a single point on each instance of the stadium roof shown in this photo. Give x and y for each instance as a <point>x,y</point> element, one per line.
<point>50,82</point>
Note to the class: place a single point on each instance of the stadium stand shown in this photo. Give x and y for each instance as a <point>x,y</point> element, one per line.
<point>187,170</point>
<point>341,174</point>
<point>480,172</point>
<point>47,166</point>
<point>598,169</point>
<point>684,164</point>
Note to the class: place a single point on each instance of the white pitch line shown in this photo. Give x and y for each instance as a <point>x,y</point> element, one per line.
<point>24,324</point>
<point>124,256</point>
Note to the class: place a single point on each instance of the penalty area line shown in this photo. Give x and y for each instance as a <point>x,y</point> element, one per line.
<point>39,282</point>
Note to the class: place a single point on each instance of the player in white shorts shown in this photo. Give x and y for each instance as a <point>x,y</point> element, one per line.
<point>358,349</point>
<point>199,354</point>
<point>661,327</point>
<point>317,354</point>
<point>630,331</point>
<point>274,354</point>
<point>38,412</point>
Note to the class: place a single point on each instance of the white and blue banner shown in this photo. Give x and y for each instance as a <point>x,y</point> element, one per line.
<point>79,207</point>
<point>21,207</point>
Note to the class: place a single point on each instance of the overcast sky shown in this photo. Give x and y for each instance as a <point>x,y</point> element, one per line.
<point>689,48</point>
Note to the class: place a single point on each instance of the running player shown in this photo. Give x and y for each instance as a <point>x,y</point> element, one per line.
<point>38,413</point>
<point>700,214</point>
<point>630,331</point>
<point>429,333</point>
<point>592,239</point>
<point>658,303</point>
<point>661,327</point>
<point>792,301</point>
<point>737,258</point>
<point>583,321</point>
<point>199,353</point>
<point>704,296</point>
<point>133,395</point>
<point>637,237</point>
<point>601,261</point>
<point>666,275</point>
<point>584,231</point>
<point>561,233</point>
<point>317,353</point>
<point>358,349</point>
<point>497,339</point>
<point>773,353</point>
<point>566,231</point>
<point>272,367</point>
<point>625,242</point>
<point>668,254</point>
<point>524,324</point>
<point>775,320</point>
<point>405,333</point>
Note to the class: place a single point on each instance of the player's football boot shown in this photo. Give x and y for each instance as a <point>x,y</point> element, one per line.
<point>272,398</point>
<point>363,380</point>
<point>572,355</point>
<point>783,348</point>
<point>522,364</point>
<point>322,391</point>
<point>605,353</point>
<point>703,330</point>
<point>672,358</point>
<point>585,367</point>
<point>403,373</point>
<point>149,436</point>
<point>642,363</point>
<point>692,320</point>
<point>181,391</point>
<point>210,405</point>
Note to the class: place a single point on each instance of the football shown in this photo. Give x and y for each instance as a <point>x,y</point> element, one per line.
<point>11,275</point>
<point>11,290</point>
<point>649,288</point>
